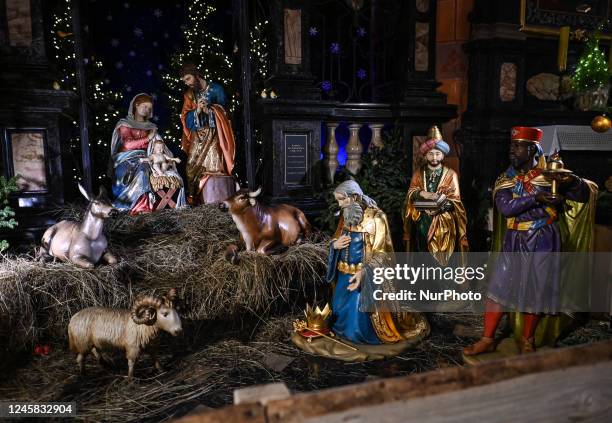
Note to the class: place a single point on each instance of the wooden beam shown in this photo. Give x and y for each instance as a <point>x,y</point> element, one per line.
<point>316,404</point>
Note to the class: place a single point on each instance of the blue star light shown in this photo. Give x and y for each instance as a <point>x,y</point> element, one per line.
<point>361,32</point>
<point>326,86</point>
<point>157,13</point>
<point>149,73</point>
<point>138,32</point>
<point>361,74</point>
<point>119,65</point>
<point>334,48</point>
<point>313,31</point>
<point>132,53</point>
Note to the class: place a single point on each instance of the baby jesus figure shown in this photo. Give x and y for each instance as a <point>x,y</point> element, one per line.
<point>159,161</point>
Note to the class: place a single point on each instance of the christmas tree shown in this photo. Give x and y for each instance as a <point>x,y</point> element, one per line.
<point>206,49</point>
<point>592,70</point>
<point>103,102</point>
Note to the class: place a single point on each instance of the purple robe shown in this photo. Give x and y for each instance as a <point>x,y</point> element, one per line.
<point>527,280</point>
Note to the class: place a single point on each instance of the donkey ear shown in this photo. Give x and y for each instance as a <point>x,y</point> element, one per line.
<point>102,193</point>
<point>84,192</point>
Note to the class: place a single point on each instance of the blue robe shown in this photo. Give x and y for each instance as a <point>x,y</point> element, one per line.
<point>347,321</point>
<point>213,95</point>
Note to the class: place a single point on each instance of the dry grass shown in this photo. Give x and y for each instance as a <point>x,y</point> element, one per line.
<point>183,249</point>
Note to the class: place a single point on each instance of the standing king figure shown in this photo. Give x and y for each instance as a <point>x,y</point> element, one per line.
<point>441,231</point>
<point>530,227</point>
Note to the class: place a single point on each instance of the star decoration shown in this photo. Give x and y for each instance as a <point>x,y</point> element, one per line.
<point>114,42</point>
<point>132,53</point>
<point>157,13</point>
<point>361,74</point>
<point>119,65</point>
<point>138,32</point>
<point>313,31</point>
<point>334,48</point>
<point>361,32</point>
<point>326,86</point>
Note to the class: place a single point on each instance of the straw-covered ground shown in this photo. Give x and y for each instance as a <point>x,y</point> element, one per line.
<point>237,323</point>
<point>183,249</point>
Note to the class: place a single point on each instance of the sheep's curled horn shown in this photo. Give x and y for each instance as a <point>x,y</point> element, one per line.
<point>144,310</point>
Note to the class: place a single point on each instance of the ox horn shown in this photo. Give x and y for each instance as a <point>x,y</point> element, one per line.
<point>144,310</point>
<point>255,194</point>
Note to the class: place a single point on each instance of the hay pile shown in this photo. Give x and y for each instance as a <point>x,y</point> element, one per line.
<point>171,248</point>
<point>205,367</point>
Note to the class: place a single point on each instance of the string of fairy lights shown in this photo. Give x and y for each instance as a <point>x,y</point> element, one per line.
<point>592,71</point>
<point>104,107</point>
<point>202,47</point>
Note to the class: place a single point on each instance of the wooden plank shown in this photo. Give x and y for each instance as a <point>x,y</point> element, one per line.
<point>494,376</point>
<point>569,395</point>
<point>301,406</point>
<point>243,413</point>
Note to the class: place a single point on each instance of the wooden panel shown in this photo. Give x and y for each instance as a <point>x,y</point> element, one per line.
<point>451,61</point>
<point>452,89</point>
<point>301,406</point>
<point>578,394</point>
<point>462,25</point>
<point>445,21</point>
<point>293,36</point>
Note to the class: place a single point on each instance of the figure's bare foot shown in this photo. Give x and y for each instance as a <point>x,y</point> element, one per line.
<point>527,345</point>
<point>485,345</point>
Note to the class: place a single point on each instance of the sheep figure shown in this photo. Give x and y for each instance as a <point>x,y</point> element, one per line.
<point>97,328</point>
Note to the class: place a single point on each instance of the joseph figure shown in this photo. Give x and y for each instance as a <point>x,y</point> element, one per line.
<point>440,231</point>
<point>208,139</point>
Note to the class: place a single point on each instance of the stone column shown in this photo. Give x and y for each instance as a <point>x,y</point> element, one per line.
<point>354,150</point>
<point>331,152</point>
<point>377,141</point>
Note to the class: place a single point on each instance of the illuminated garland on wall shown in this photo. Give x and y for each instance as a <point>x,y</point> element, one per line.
<point>104,102</point>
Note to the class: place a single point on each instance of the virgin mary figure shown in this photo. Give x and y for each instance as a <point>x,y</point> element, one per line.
<point>132,140</point>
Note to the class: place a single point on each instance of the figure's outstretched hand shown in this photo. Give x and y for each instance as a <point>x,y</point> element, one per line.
<point>355,281</point>
<point>548,199</point>
<point>342,242</point>
<point>564,178</point>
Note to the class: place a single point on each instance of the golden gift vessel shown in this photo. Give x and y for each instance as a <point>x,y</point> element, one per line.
<point>554,166</point>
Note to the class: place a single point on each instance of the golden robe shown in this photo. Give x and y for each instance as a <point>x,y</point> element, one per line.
<point>447,232</point>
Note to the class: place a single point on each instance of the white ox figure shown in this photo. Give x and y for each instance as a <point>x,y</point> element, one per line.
<point>83,244</point>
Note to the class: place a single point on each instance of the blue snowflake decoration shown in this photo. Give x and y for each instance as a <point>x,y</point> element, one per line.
<point>114,42</point>
<point>160,66</point>
<point>157,13</point>
<point>334,48</point>
<point>313,31</point>
<point>149,72</point>
<point>326,86</point>
<point>132,53</point>
<point>138,32</point>
<point>166,35</point>
<point>119,65</point>
<point>155,43</point>
<point>128,89</point>
<point>361,32</point>
<point>361,74</point>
